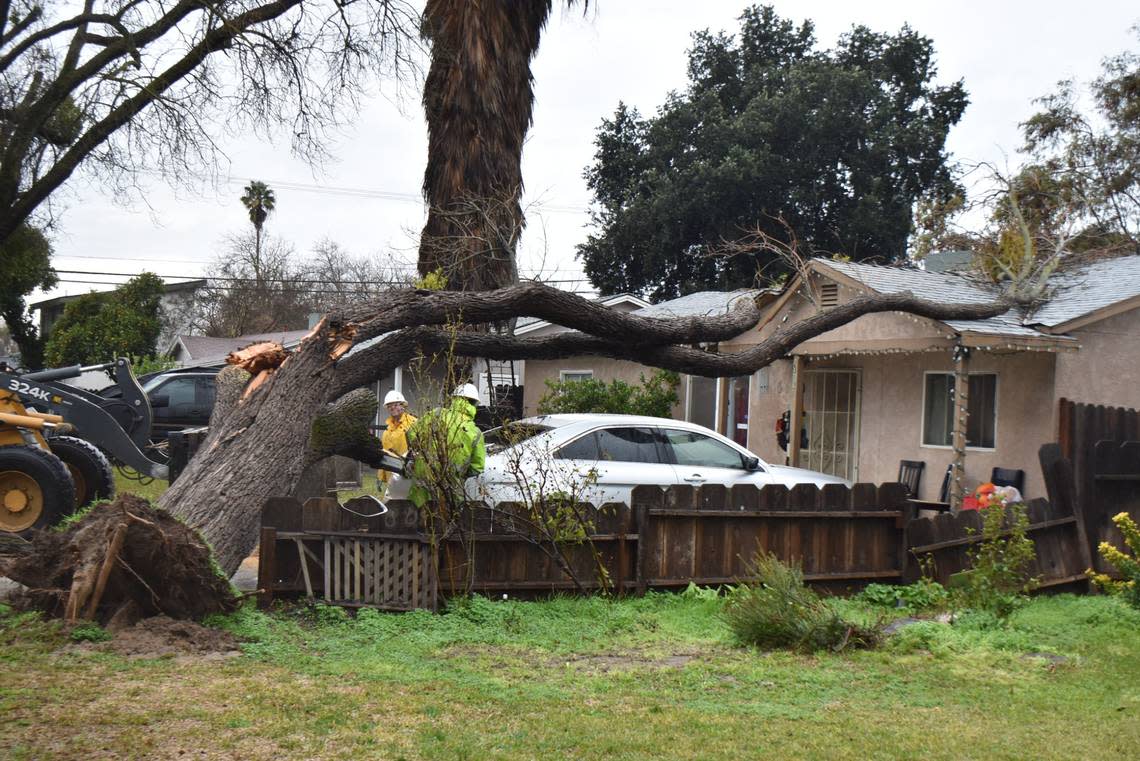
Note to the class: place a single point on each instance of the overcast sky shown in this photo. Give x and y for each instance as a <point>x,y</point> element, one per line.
<point>633,50</point>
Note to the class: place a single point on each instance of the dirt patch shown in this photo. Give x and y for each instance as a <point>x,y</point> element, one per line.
<point>121,562</point>
<point>607,662</point>
<point>164,637</point>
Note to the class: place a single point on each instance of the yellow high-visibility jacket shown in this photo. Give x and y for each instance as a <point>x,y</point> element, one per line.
<point>395,439</point>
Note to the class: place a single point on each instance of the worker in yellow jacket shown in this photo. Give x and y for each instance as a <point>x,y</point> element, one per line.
<point>395,436</point>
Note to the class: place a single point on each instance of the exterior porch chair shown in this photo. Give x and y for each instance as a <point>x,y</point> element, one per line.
<point>910,475</point>
<point>1009,477</point>
<point>942,505</point>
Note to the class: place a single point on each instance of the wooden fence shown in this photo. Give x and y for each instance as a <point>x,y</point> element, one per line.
<point>941,545</point>
<point>843,538</point>
<point>665,539</point>
<point>1101,444</point>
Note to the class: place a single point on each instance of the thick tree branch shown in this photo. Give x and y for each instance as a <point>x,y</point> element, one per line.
<point>406,308</point>
<point>637,338</point>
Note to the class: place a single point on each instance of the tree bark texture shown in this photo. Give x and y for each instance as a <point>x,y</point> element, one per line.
<point>262,438</point>
<point>478,102</point>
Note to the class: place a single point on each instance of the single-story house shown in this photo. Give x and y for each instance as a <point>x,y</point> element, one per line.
<point>882,388</point>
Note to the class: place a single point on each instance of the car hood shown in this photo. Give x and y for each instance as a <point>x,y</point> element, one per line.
<point>803,475</point>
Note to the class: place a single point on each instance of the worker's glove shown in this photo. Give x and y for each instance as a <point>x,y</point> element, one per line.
<point>409,464</point>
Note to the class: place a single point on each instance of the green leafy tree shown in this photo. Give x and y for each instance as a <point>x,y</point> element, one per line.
<point>1094,157</point>
<point>26,255</point>
<point>98,327</point>
<point>838,144</point>
<point>655,397</point>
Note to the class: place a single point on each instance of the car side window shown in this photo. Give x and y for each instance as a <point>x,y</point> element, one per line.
<point>583,448</point>
<point>205,393</point>
<point>178,391</point>
<point>629,445</point>
<point>696,449</point>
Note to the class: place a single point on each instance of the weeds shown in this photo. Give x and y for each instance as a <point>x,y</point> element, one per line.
<point>924,594</point>
<point>1000,563</point>
<point>778,611</point>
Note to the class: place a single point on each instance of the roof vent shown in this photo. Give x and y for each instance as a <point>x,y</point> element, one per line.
<point>829,295</point>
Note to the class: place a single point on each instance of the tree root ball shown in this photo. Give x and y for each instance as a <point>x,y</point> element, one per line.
<point>122,561</point>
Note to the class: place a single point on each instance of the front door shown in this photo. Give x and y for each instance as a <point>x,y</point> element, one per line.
<point>831,416</point>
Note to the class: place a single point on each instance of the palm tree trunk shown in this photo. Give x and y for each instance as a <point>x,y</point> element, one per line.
<point>478,101</point>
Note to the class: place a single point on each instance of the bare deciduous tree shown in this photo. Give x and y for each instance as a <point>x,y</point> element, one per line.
<point>116,86</point>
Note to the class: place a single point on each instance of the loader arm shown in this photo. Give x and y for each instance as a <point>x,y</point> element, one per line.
<point>81,410</point>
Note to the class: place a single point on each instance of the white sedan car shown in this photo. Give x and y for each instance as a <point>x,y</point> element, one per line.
<point>600,458</point>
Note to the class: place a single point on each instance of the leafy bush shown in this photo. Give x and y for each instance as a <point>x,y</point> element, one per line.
<point>1128,566</point>
<point>924,594</point>
<point>1000,564</point>
<point>655,397</point>
<point>778,611</point>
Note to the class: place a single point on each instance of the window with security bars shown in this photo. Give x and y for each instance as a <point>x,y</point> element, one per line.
<point>938,410</point>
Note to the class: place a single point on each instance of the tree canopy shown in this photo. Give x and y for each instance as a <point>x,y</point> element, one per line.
<point>1093,159</point>
<point>26,257</point>
<point>97,327</point>
<point>771,133</point>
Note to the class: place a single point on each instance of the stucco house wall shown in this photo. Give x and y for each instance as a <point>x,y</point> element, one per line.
<point>1106,370</point>
<point>604,369</point>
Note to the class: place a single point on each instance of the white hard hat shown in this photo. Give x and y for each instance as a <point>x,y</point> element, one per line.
<point>467,391</point>
<point>394,396</point>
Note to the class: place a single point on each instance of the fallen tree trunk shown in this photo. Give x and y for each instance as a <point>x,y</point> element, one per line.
<point>261,440</point>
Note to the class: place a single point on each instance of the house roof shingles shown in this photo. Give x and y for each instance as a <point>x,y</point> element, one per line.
<point>1072,293</point>
<point>206,347</point>
<point>696,304</point>
<point>1083,290</point>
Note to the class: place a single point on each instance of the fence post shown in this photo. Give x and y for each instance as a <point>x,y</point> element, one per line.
<point>267,567</point>
<point>639,564</point>
<point>623,550</point>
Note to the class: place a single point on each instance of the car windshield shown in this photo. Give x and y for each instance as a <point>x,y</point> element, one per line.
<point>509,435</point>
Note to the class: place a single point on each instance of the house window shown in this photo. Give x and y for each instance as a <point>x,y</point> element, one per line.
<point>571,376</point>
<point>938,410</point>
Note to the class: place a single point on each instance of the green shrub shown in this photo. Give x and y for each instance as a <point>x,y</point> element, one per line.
<point>924,594</point>
<point>999,577</point>
<point>655,397</point>
<point>777,610</point>
<point>1128,566</point>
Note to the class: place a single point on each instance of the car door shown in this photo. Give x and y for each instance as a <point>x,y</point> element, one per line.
<point>621,458</point>
<point>180,394</point>
<point>701,459</point>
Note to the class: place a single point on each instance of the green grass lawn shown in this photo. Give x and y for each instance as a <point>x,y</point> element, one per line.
<point>655,677</point>
<point>148,488</point>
